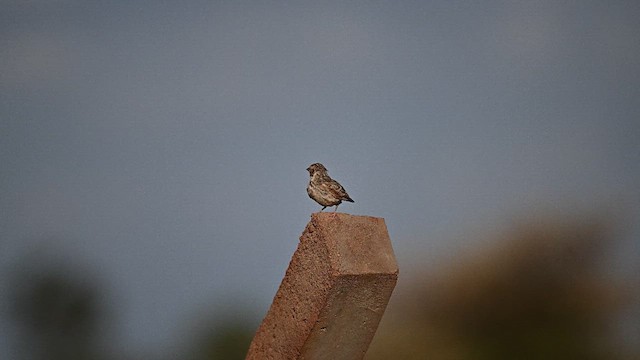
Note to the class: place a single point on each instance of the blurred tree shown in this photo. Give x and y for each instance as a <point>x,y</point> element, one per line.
<point>229,341</point>
<point>537,295</point>
<point>57,315</point>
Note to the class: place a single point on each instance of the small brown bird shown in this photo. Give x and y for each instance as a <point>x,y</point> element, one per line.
<point>323,189</point>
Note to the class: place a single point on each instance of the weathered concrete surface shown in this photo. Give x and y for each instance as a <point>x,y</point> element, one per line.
<point>334,292</point>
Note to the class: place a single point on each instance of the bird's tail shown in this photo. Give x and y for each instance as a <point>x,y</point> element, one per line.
<point>348,199</point>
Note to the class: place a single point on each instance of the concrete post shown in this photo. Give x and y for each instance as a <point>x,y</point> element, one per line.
<point>334,292</point>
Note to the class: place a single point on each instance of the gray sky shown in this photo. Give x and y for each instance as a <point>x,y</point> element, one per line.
<point>163,147</point>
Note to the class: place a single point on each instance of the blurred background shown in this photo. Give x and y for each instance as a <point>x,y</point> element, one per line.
<point>153,156</point>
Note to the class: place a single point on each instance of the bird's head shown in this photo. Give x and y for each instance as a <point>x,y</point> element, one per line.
<point>317,167</point>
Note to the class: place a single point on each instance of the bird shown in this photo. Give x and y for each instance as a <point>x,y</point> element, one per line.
<point>323,189</point>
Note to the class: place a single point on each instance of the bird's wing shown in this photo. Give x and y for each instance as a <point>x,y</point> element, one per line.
<point>336,190</point>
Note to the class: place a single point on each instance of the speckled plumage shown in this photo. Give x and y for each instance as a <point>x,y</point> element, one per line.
<point>323,189</point>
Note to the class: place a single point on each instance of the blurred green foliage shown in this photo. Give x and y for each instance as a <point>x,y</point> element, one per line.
<point>539,293</point>
<point>58,317</point>
<point>228,340</point>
